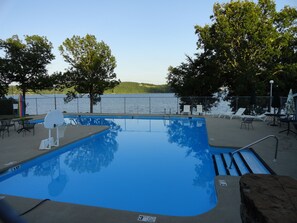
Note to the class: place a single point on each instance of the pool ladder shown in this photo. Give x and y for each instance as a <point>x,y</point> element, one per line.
<point>253,143</point>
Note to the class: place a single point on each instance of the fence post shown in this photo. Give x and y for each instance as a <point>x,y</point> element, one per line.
<point>124,105</point>
<point>149,105</point>
<point>177,109</point>
<point>55,101</point>
<point>36,106</point>
<point>77,105</point>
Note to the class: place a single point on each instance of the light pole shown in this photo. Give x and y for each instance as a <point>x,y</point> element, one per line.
<point>55,99</point>
<point>270,101</point>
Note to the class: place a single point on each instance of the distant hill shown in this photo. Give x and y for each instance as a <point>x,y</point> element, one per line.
<point>138,88</point>
<point>122,88</point>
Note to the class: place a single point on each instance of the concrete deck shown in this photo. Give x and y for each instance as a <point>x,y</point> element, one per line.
<point>221,132</point>
<point>21,147</point>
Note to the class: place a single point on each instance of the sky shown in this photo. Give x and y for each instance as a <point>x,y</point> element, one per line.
<point>145,36</point>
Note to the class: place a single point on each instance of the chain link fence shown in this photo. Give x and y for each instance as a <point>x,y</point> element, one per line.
<point>147,104</point>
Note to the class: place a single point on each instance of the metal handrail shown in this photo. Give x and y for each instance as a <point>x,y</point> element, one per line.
<point>253,143</point>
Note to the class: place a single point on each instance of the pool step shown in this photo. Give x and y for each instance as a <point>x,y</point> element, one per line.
<point>245,161</point>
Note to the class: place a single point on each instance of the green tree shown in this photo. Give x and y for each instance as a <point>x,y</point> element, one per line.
<point>251,44</point>
<point>193,78</point>
<point>4,81</point>
<point>91,68</point>
<point>25,63</point>
<point>285,71</point>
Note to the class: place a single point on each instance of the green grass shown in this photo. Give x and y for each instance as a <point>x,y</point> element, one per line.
<point>138,88</point>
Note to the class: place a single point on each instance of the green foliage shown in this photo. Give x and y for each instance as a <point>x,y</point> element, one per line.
<point>251,43</point>
<point>91,68</point>
<point>194,78</point>
<point>25,63</point>
<point>4,81</point>
<point>246,45</point>
<point>6,106</point>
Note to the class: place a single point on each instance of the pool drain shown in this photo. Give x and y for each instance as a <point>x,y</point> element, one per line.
<point>146,218</point>
<point>222,183</point>
<point>14,168</point>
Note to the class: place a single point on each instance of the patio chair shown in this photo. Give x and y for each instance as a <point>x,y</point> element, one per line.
<point>8,123</point>
<point>186,109</point>
<point>3,128</point>
<point>30,126</point>
<point>238,114</point>
<point>247,122</point>
<point>295,125</point>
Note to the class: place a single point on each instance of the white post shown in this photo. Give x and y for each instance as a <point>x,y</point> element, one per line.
<point>55,99</point>
<point>58,137</point>
<point>49,138</point>
<point>270,101</point>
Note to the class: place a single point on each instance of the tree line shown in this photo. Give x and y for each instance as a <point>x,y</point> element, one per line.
<point>90,71</point>
<point>246,45</point>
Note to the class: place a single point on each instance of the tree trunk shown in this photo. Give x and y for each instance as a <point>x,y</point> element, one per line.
<point>24,101</point>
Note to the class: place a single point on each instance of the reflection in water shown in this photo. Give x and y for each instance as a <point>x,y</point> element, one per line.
<point>97,152</point>
<point>58,183</point>
<point>91,120</point>
<point>89,156</point>
<point>189,134</point>
<point>192,135</point>
<point>51,169</point>
<point>93,155</point>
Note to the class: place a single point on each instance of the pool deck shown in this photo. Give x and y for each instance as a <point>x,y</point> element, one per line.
<point>221,132</point>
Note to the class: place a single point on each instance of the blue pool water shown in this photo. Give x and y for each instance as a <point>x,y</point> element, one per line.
<point>156,166</point>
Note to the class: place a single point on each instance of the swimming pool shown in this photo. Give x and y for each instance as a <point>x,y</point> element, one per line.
<point>151,165</point>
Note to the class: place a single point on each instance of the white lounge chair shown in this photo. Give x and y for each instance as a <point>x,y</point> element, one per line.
<point>238,114</point>
<point>199,110</point>
<point>261,117</point>
<point>186,109</point>
<point>224,114</point>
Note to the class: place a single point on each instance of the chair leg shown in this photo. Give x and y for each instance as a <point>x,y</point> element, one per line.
<point>247,125</point>
<point>2,133</point>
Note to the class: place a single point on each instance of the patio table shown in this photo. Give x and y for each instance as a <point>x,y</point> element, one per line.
<point>288,121</point>
<point>22,122</point>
